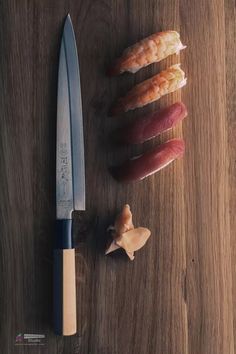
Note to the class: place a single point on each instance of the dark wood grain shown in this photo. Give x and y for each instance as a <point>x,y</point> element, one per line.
<point>178,296</point>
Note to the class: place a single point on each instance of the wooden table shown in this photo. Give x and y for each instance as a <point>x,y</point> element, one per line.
<point>178,295</point>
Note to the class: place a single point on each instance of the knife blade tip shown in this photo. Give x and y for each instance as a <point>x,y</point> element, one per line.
<point>68,21</point>
<point>68,26</point>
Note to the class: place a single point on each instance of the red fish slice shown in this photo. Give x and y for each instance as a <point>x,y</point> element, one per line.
<point>151,125</point>
<point>148,163</point>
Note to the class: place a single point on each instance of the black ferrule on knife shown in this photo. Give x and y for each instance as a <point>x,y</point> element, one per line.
<point>64,239</point>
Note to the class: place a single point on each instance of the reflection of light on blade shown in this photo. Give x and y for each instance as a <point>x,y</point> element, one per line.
<point>78,168</point>
<point>64,188</point>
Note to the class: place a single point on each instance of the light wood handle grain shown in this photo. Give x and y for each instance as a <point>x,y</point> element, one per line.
<point>64,292</point>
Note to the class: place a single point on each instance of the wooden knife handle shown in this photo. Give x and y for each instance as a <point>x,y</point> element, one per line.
<point>65,322</point>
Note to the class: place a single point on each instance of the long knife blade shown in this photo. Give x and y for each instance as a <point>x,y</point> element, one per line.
<point>70,172</point>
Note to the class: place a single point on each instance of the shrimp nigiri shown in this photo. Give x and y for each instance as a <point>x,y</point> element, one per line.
<point>151,90</point>
<point>152,49</point>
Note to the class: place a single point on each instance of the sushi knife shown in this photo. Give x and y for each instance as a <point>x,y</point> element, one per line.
<point>70,181</point>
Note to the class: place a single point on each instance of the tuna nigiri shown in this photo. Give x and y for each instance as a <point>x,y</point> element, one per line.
<point>150,162</point>
<point>151,125</point>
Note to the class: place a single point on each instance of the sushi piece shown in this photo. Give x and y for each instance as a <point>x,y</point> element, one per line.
<point>151,90</point>
<point>152,49</point>
<point>151,125</point>
<point>150,162</point>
